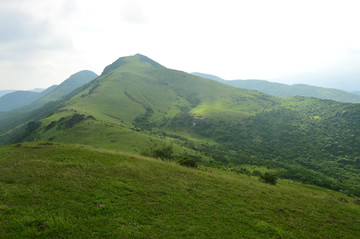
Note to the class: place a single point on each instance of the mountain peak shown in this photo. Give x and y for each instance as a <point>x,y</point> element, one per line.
<point>138,58</point>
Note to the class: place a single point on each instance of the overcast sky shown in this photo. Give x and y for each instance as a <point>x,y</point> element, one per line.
<point>314,42</point>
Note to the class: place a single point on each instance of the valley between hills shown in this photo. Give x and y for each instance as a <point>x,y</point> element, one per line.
<point>107,159</point>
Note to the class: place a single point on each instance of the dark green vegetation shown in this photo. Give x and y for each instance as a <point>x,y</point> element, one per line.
<point>283,90</point>
<point>268,178</point>
<point>57,191</point>
<point>137,102</point>
<point>187,162</point>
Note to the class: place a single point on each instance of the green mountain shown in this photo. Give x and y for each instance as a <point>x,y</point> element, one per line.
<point>65,191</point>
<point>283,90</point>
<point>66,87</point>
<point>138,105</point>
<point>73,82</point>
<point>12,122</point>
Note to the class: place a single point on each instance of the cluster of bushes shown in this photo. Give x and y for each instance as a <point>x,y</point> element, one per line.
<point>166,152</point>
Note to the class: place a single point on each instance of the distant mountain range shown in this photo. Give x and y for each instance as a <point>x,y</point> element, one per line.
<point>38,97</point>
<point>346,80</point>
<point>283,90</point>
<point>4,92</point>
<point>18,99</point>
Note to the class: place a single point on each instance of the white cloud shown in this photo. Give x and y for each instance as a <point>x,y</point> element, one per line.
<point>133,12</point>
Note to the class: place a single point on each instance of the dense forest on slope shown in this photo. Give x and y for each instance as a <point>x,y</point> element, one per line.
<point>137,103</point>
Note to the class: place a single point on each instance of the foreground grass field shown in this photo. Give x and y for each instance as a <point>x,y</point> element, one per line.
<point>66,191</point>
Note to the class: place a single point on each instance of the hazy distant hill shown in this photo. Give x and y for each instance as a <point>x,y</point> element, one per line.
<point>35,99</point>
<point>74,81</point>
<point>18,99</point>
<point>4,92</point>
<point>208,76</point>
<point>137,101</point>
<point>38,90</point>
<point>283,90</point>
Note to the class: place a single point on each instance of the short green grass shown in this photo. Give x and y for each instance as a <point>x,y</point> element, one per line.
<point>68,191</point>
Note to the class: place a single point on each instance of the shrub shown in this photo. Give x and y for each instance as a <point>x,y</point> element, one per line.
<point>187,162</point>
<point>268,178</point>
<point>162,151</point>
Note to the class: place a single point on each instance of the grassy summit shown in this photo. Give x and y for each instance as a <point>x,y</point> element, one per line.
<point>64,191</point>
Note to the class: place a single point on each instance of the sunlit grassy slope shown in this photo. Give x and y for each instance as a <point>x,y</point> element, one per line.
<point>135,86</point>
<point>64,191</point>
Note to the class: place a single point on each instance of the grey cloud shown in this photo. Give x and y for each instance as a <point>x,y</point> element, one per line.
<point>14,26</point>
<point>22,35</point>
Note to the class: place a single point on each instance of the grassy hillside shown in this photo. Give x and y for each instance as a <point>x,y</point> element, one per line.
<point>64,191</point>
<point>283,90</point>
<point>137,103</point>
<point>12,123</point>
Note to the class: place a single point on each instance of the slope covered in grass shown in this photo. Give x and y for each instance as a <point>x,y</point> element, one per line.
<point>63,191</point>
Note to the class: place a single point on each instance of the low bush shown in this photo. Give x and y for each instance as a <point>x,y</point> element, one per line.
<point>187,162</point>
<point>268,178</point>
